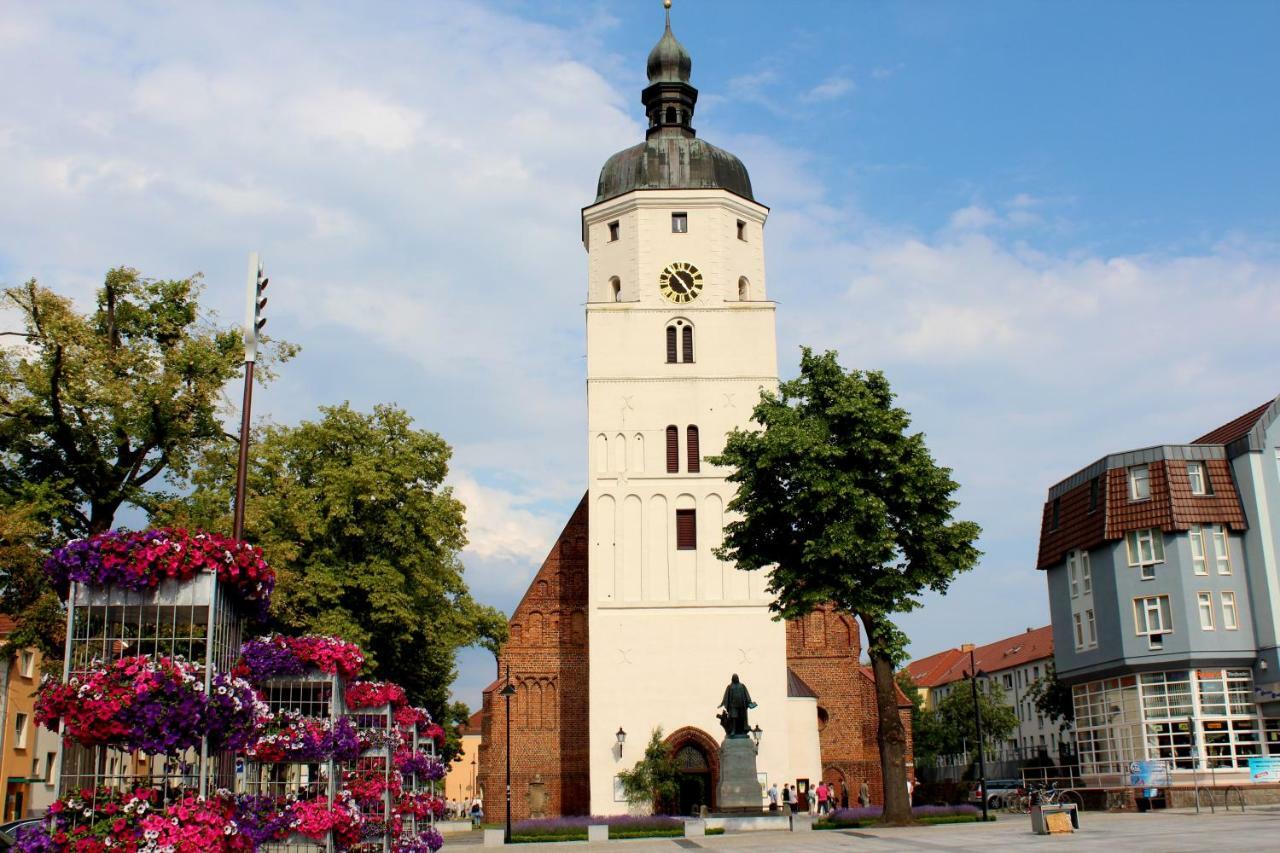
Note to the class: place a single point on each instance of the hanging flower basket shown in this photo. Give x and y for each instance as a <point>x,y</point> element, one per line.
<point>289,736</point>
<point>140,561</point>
<point>419,764</point>
<point>375,694</point>
<point>276,656</point>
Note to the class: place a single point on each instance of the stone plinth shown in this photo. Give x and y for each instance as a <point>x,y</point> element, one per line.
<point>739,788</point>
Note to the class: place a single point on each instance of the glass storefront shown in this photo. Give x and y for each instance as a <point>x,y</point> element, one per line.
<point>1165,715</point>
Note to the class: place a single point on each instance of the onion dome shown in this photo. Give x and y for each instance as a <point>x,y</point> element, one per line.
<point>671,157</point>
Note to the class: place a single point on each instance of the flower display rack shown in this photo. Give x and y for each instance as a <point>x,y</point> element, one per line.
<point>312,778</point>
<point>373,779</point>
<point>194,621</point>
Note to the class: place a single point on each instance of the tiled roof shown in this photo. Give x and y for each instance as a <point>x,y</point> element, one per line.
<point>1235,429</point>
<point>1028,647</point>
<point>926,671</point>
<point>472,725</point>
<point>7,625</point>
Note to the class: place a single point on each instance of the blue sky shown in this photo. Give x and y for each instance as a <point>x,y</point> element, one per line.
<point>1052,225</point>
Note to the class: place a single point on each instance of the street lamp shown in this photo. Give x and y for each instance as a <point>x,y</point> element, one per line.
<point>506,693</point>
<point>756,734</point>
<point>622,739</point>
<point>977,722</point>
<point>253,323</point>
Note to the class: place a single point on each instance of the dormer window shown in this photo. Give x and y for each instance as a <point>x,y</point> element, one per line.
<point>614,230</point>
<point>1139,483</point>
<point>1198,478</point>
<point>679,223</point>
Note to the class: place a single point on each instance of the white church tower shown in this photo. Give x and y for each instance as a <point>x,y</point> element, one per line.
<point>680,340</point>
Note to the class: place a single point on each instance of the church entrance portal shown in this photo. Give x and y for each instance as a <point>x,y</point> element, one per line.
<point>697,760</point>
<point>694,780</point>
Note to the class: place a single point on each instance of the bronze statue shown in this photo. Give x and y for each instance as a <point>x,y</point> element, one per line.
<point>736,702</point>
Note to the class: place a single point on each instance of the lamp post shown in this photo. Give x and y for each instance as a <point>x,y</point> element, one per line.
<point>253,323</point>
<point>977,722</point>
<point>507,692</point>
<point>473,778</point>
<point>756,734</point>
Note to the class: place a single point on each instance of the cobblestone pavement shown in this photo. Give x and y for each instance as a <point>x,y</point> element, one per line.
<point>1162,832</point>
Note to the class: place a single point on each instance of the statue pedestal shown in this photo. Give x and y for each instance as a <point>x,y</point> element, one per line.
<point>739,789</point>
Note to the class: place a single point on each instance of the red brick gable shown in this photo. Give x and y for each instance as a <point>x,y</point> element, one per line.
<point>547,655</point>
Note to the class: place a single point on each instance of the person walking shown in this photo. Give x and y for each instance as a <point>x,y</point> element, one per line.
<point>844,796</point>
<point>823,793</point>
<point>864,794</point>
<point>773,797</point>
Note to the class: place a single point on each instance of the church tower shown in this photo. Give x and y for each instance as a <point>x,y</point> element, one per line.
<point>680,340</point>
<point>632,623</point>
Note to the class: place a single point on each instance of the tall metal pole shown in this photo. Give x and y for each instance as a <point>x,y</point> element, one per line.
<point>507,692</point>
<point>977,721</point>
<point>253,322</point>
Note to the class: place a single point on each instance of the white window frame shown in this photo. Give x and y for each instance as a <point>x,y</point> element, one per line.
<point>1073,574</point>
<point>1139,482</point>
<point>1230,615</point>
<point>1079,626</point>
<point>1153,537</point>
<point>1221,549</point>
<point>26,663</point>
<point>1086,574</point>
<point>1196,476</point>
<point>1144,608</point>
<point>1092,634</point>
<point>1204,606</point>
<point>21,723</point>
<point>1199,553</point>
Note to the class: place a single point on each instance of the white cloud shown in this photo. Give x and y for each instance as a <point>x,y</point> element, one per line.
<point>830,89</point>
<point>498,525</point>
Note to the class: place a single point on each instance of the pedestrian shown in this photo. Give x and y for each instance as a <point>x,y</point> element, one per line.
<point>477,813</point>
<point>822,798</point>
<point>773,797</point>
<point>844,796</point>
<point>864,794</point>
<point>910,789</point>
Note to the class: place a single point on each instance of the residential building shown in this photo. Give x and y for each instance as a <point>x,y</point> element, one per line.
<point>28,755</point>
<point>1161,565</point>
<point>1014,663</point>
<point>460,781</point>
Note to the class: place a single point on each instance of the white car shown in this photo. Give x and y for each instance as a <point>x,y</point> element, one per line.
<point>999,792</point>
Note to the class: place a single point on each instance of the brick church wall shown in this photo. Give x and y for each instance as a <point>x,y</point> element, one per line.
<point>547,656</point>
<point>824,649</point>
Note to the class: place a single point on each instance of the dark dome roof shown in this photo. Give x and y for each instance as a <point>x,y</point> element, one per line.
<point>671,157</point>
<point>669,162</point>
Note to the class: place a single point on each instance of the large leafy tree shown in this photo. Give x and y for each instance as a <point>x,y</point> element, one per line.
<point>1053,698</point>
<point>653,781</point>
<point>352,512</point>
<point>97,410</point>
<point>956,725</point>
<point>840,503</point>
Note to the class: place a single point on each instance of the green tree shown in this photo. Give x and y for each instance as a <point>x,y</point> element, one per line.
<point>1053,698</point>
<point>653,779</point>
<point>352,512</point>
<point>94,408</point>
<point>954,716</point>
<point>840,504</point>
<point>926,738</point>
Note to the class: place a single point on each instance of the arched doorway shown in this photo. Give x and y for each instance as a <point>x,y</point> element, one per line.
<point>697,759</point>
<point>839,785</point>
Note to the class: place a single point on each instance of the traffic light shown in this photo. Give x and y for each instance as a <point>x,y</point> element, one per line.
<point>254,319</point>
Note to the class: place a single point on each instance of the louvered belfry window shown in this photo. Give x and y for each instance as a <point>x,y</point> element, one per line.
<point>688,344</point>
<point>673,450</point>
<point>686,529</point>
<point>671,344</point>
<point>695,453</point>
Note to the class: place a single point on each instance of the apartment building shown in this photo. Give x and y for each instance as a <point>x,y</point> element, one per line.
<point>1161,565</point>
<point>1015,663</point>
<point>28,754</point>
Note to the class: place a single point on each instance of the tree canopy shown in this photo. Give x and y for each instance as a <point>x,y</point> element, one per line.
<point>653,779</point>
<point>841,504</point>
<point>955,725</point>
<point>94,408</point>
<point>352,512</point>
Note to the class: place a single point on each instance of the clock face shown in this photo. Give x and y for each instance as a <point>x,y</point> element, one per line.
<point>680,282</point>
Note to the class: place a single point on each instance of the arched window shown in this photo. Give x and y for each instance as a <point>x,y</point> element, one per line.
<point>671,344</point>
<point>615,288</point>
<point>673,450</point>
<point>744,289</point>
<point>686,350</point>
<point>691,447</point>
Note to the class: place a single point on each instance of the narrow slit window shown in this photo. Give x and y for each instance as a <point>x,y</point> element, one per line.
<point>671,344</point>
<point>673,450</point>
<point>614,230</point>
<point>686,529</point>
<point>742,230</point>
<point>692,448</point>
<point>679,223</point>
<point>687,344</point>
<point>615,288</point>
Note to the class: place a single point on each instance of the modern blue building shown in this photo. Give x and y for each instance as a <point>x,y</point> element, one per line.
<point>1164,594</point>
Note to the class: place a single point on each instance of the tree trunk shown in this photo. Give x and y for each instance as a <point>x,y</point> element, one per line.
<point>891,737</point>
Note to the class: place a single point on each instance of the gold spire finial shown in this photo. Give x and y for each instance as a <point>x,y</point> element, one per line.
<point>666,4</point>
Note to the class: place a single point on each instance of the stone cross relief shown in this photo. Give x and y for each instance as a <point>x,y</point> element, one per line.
<point>744,655</point>
<point>624,656</point>
<point>728,400</point>
<point>626,407</point>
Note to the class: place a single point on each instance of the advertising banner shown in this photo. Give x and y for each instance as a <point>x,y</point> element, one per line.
<point>1264,769</point>
<point>1149,774</point>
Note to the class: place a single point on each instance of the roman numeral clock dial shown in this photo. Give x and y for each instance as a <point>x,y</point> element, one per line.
<point>680,282</point>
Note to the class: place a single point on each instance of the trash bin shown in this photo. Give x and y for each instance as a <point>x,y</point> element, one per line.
<point>1040,812</point>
